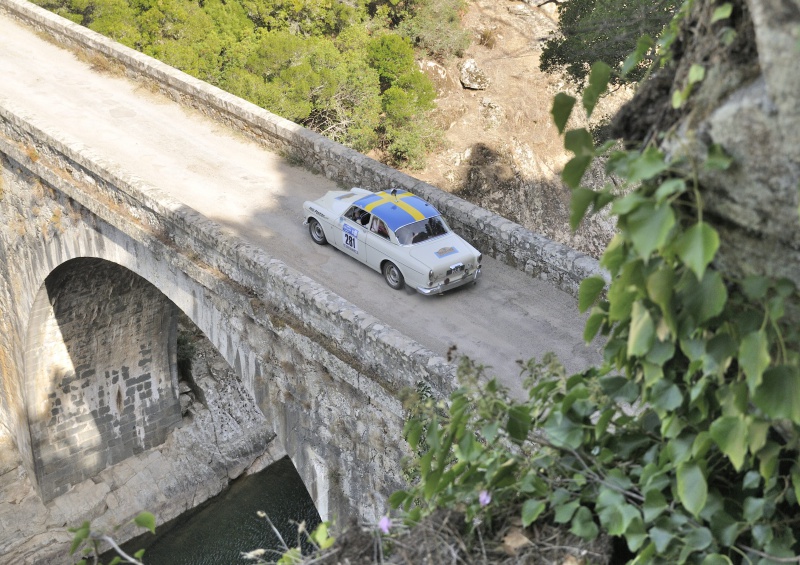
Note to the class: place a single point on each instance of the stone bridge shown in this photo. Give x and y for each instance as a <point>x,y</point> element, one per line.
<point>96,265</point>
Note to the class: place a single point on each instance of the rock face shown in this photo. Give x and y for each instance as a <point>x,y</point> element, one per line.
<point>502,149</point>
<point>747,104</point>
<point>472,77</point>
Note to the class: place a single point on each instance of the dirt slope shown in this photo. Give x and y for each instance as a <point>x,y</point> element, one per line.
<point>502,149</point>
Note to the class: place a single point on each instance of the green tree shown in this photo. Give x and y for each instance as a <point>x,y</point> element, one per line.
<point>435,26</point>
<point>391,56</point>
<point>602,30</point>
<point>304,17</point>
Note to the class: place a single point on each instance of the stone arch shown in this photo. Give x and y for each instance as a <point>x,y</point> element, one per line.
<point>100,368</point>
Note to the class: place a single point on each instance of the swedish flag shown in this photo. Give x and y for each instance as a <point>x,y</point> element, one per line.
<point>397,210</point>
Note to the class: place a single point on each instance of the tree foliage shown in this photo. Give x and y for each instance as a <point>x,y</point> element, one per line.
<point>603,30</point>
<point>325,64</point>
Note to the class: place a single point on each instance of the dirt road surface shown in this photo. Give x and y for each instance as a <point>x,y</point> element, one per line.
<point>257,196</point>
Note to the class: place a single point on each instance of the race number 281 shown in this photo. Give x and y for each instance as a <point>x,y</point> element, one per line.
<point>350,238</point>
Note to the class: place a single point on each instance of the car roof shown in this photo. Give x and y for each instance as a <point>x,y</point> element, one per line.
<point>397,210</point>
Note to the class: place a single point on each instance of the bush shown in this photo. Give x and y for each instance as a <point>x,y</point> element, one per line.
<point>435,26</point>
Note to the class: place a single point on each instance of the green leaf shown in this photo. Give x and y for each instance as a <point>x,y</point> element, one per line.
<point>321,537</point>
<point>574,169</point>
<point>654,505</point>
<point>397,498</point>
<point>628,203</point>
<point>579,141</point>
<point>643,45</point>
<point>489,431</point>
<point>647,165</point>
<point>696,73</point>
<point>753,509</point>
<point>562,108</point>
<point>582,198</point>
<point>531,510</point>
<point>716,559</point>
<point>291,557</point>
<point>754,357</point>
<point>668,188</point>
<point>757,435</point>
<point>598,81</point>
<point>697,246</point>
<point>564,512</point>
<point>80,535</point>
<point>705,299</point>
<point>519,423</point>
<point>413,432</point>
<point>661,286</point>
<point>755,287</point>
<point>146,520</point>
<point>717,159</point>
<point>698,539</point>
<point>692,487</point>
<point>636,534</point>
<point>432,483</point>
<point>593,324</point>
<point>730,433</point>
<point>590,289</point>
<point>779,393</point>
<point>678,97</point>
<point>661,538</point>
<point>649,228</point>
<point>642,331</point>
<point>666,396</point>
<point>722,12</point>
<point>583,524</point>
<point>563,431</point>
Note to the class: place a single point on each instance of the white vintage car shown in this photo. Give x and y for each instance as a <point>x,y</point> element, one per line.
<point>396,233</point>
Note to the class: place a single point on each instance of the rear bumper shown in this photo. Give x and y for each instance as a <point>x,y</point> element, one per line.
<point>443,287</point>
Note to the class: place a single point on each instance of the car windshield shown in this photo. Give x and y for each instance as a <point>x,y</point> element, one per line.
<point>421,230</point>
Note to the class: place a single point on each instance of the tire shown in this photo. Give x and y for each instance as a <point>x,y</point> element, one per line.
<point>393,276</point>
<point>316,231</point>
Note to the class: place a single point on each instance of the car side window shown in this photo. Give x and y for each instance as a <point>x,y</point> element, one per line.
<point>358,215</point>
<point>379,228</point>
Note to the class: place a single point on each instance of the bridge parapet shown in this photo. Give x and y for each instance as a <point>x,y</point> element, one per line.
<point>494,235</point>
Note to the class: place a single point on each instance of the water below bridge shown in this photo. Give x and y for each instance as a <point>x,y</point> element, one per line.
<point>217,532</point>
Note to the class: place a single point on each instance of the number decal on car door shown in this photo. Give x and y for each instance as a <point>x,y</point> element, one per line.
<point>350,238</point>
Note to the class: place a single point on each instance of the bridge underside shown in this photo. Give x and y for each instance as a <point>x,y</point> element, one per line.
<point>100,372</point>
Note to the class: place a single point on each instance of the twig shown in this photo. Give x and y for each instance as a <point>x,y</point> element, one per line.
<point>116,548</point>
<point>768,556</point>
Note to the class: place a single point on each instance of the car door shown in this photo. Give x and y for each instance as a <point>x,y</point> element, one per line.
<point>351,236</point>
<point>379,245</point>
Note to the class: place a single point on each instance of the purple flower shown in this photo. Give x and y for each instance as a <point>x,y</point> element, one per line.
<point>484,498</point>
<point>384,524</point>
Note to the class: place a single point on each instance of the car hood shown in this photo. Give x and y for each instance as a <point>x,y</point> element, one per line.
<point>439,253</point>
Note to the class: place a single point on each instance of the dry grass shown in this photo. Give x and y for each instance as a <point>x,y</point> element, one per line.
<point>488,38</point>
<point>443,539</point>
<point>101,63</point>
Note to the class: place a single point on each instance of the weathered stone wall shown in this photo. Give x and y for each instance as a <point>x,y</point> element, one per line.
<point>100,372</point>
<point>326,375</point>
<point>747,104</point>
<point>492,234</point>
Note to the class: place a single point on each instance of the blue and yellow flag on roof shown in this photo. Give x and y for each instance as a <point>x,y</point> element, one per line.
<point>397,210</point>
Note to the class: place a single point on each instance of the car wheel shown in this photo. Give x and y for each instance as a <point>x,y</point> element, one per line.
<point>393,276</point>
<point>316,231</point>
